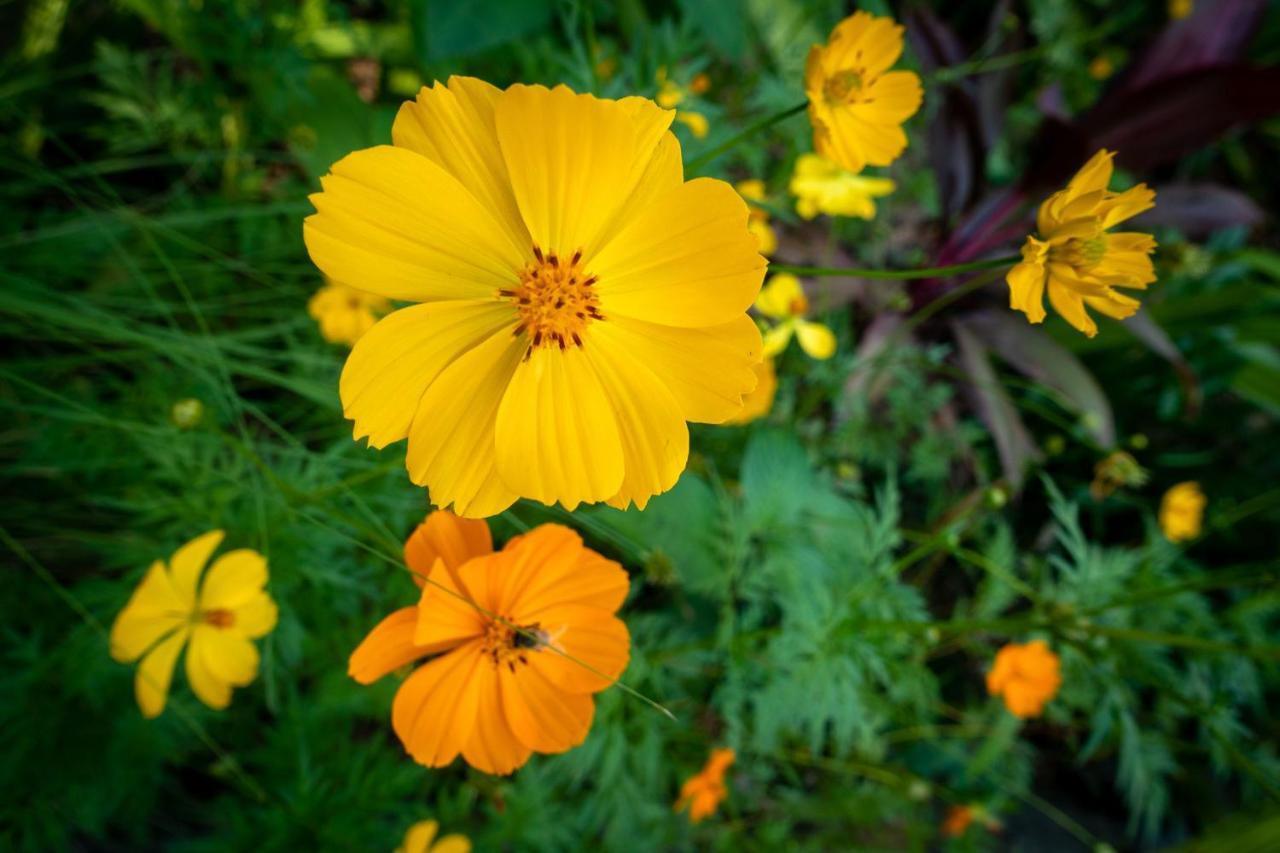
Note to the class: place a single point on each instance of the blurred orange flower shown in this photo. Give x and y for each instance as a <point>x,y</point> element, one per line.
<point>1181,512</point>
<point>522,639</point>
<point>703,792</point>
<point>957,821</point>
<point>1026,676</point>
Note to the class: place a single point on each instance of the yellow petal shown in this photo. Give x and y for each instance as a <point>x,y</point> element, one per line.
<point>687,259</point>
<point>706,370</point>
<point>392,366</point>
<point>454,126</point>
<point>153,610</point>
<point>695,121</point>
<point>892,99</point>
<point>664,174</point>
<point>557,438</point>
<point>419,837</point>
<point>651,425</point>
<point>1115,305</point>
<point>1127,204</point>
<point>574,159</point>
<point>452,844</point>
<point>257,616</point>
<point>855,142</point>
<point>871,44</point>
<point>451,439</point>
<point>783,296</point>
<point>229,656</point>
<point>1069,304</point>
<point>1026,290</point>
<point>816,339</point>
<point>435,710</point>
<point>766,237</point>
<point>392,222</point>
<point>208,687</point>
<point>777,338</point>
<point>1093,176</point>
<point>235,578</point>
<point>151,682</point>
<point>189,561</point>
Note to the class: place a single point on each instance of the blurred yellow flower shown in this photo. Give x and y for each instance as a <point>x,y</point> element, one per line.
<point>703,792</point>
<point>1179,9</point>
<point>758,218</point>
<point>821,186</point>
<point>671,94</point>
<point>856,105</point>
<point>494,694</point>
<point>1182,511</point>
<point>344,313</point>
<point>1076,258</point>
<point>215,619</point>
<point>782,300</point>
<point>1101,68</point>
<point>1026,676</point>
<point>758,403</point>
<point>420,836</point>
<point>696,122</point>
<point>580,300</point>
<point>1116,470</point>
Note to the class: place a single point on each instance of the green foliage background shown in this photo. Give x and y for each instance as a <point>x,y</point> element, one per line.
<point>823,591</point>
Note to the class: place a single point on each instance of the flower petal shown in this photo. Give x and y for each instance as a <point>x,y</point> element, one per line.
<point>257,616</point>
<point>392,222</point>
<point>208,687</point>
<point>446,537</point>
<point>865,42</point>
<point>229,656</point>
<point>493,747</point>
<point>435,710</point>
<point>189,561</point>
<point>448,614</point>
<point>707,370</point>
<point>154,609</point>
<point>1026,290</point>
<point>816,339</point>
<point>1092,177</point>
<point>777,338</point>
<point>557,438</point>
<point>1069,304</point>
<point>419,837</point>
<point>451,439</point>
<point>453,125</point>
<point>543,717</point>
<point>891,99</point>
<point>151,682</point>
<point>532,566</point>
<point>574,159</point>
<point>587,636</point>
<point>233,579</point>
<point>388,647</point>
<point>651,425</point>
<point>686,259</point>
<point>392,365</point>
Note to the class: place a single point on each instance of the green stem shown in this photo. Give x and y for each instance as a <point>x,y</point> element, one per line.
<point>703,159</point>
<point>898,275</point>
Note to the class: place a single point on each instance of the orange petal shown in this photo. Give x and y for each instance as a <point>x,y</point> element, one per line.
<point>493,747</point>
<point>434,712</point>
<point>542,716</point>
<point>596,648</point>
<point>446,537</point>
<point>591,580</point>
<point>447,612</point>
<point>388,647</point>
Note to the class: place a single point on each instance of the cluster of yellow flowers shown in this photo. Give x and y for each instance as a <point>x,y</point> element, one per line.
<point>576,303</point>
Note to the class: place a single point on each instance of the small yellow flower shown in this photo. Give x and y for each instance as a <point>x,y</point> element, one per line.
<point>758,403</point>
<point>696,122</point>
<point>1027,676</point>
<point>1182,511</point>
<point>578,301</point>
<point>420,836</point>
<point>671,94</point>
<point>1101,68</point>
<point>1116,470</point>
<point>821,186</point>
<point>856,104</point>
<point>782,299</point>
<point>703,792</point>
<point>758,219</point>
<point>219,617</point>
<point>345,313</point>
<point>1075,258</point>
<point>1179,9</point>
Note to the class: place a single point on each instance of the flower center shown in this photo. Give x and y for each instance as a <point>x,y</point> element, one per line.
<point>843,87</point>
<point>219,618</point>
<point>798,306</point>
<point>1079,253</point>
<point>556,299</point>
<point>504,644</point>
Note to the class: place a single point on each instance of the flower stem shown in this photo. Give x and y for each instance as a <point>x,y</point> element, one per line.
<point>927,272</point>
<point>703,159</point>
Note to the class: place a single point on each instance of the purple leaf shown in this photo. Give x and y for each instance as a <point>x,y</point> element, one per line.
<point>1013,442</point>
<point>1200,209</point>
<point>1217,33</point>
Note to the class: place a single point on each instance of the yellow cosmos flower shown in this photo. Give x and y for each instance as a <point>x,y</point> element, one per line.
<point>758,219</point>
<point>1076,258</point>
<point>1101,67</point>
<point>1027,676</point>
<point>783,301</point>
<point>671,94</point>
<point>758,403</point>
<point>703,792</point>
<point>492,694</point>
<point>821,186</point>
<point>344,313</point>
<point>215,619</point>
<point>580,301</point>
<point>1182,511</point>
<point>856,104</point>
<point>420,836</point>
<point>1179,9</point>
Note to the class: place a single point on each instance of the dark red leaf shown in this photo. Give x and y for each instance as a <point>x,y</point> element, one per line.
<point>1200,209</point>
<point>1216,33</point>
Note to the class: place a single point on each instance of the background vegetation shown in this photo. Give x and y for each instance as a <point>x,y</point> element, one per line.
<point>825,588</point>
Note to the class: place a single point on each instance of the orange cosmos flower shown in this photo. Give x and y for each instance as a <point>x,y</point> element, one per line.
<point>580,302</point>
<point>1182,511</point>
<point>1027,676</point>
<point>703,792</point>
<point>856,104</point>
<point>503,627</point>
